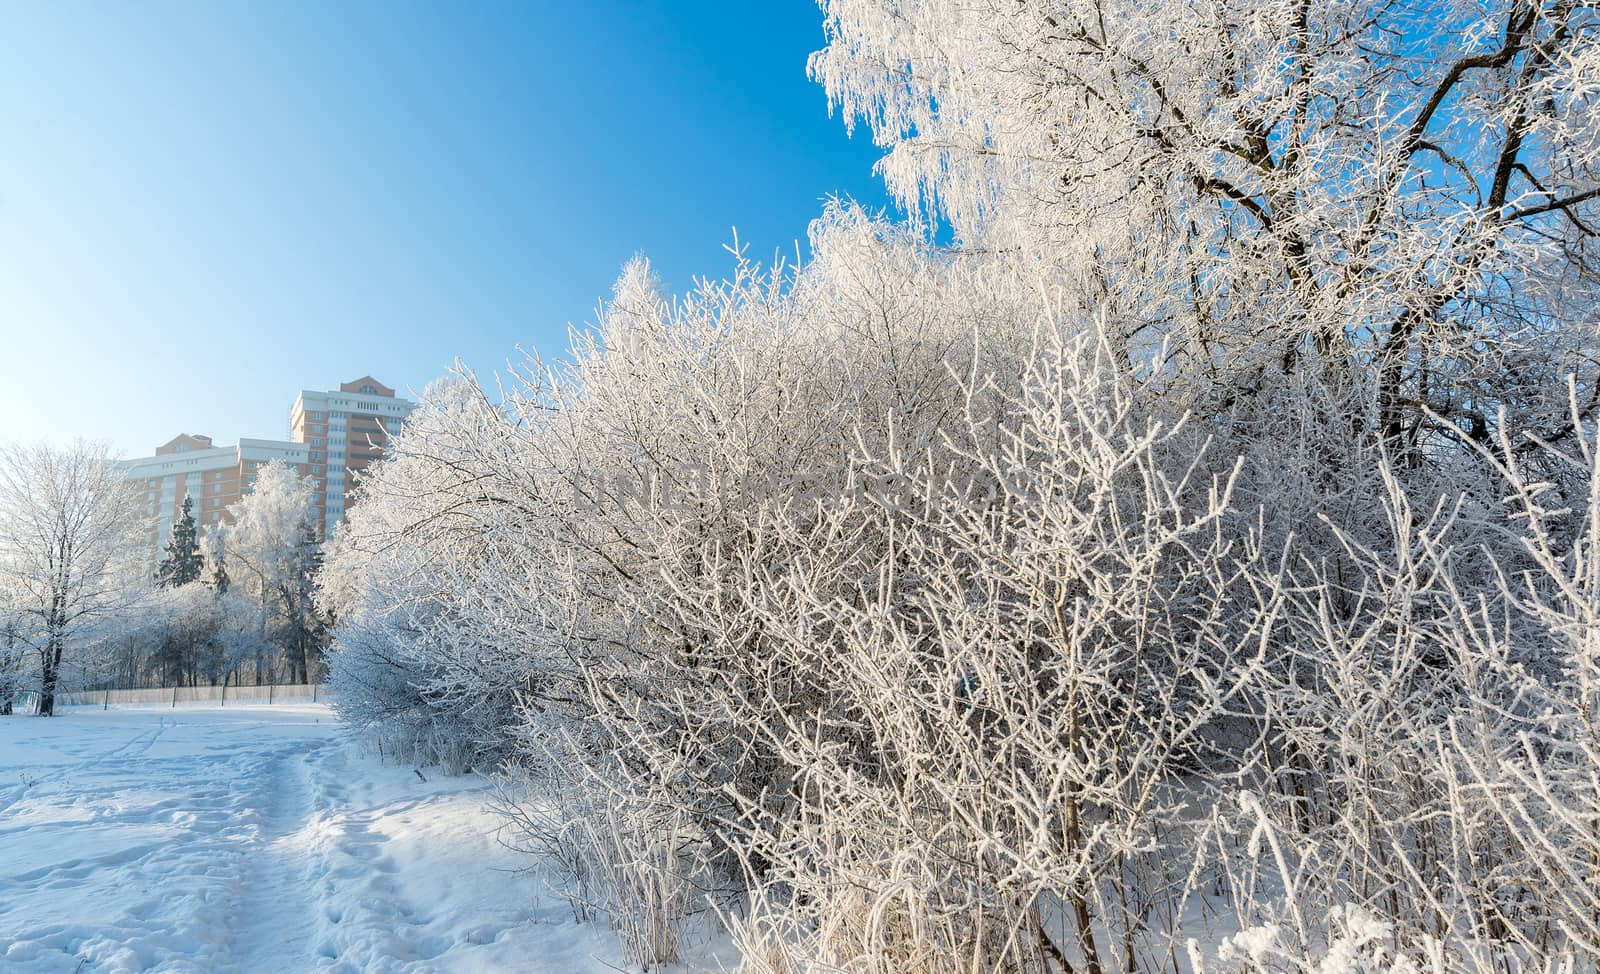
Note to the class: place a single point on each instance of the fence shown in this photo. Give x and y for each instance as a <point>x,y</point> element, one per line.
<point>220,695</point>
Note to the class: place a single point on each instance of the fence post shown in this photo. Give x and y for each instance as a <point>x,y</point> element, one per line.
<point>269,694</point>
<point>313,693</point>
<point>106,704</point>
<point>224,691</point>
<point>174,698</point>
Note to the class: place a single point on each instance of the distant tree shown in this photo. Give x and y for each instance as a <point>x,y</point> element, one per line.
<point>68,544</point>
<point>187,640</point>
<point>302,628</point>
<point>272,554</point>
<point>183,563</point>
<point>12,652</point>
<point>239,632</point>
<point>214,549</point>
<point>187,649</point>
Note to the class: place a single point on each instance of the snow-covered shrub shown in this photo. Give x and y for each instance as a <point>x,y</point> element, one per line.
<point>1358,942</point>
<point>1021,632</point>
<point>547,819</point>
<point>939,640</point>
<point>1139,564</point>
<point>1427,753</point>
<point>424,655</point>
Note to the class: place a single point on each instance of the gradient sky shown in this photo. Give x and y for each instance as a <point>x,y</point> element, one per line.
<point>207,206</point>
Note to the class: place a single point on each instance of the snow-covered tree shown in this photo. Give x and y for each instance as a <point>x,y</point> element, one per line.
<point>1399,198</point>
<point>270,553</point>
<point>14,650</point>
<point>68,546</point>
<point>214,553</point>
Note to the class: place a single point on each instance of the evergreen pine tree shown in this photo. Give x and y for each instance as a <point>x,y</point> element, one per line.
<point>219,577</point>
<point>305,628</point>
<point>182,563</point>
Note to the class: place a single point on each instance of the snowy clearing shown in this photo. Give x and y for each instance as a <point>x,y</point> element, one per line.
<point>256,839</point>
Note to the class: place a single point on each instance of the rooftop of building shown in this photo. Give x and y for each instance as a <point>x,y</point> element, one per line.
<point>184,442</point>
<point>367,386</point>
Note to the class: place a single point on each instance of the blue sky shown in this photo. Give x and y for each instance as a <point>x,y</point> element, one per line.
<point>207,206</point>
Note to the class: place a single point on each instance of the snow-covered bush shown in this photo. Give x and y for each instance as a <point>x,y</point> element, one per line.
<point>423,654</point>
<point>1185,570</point>
<point>914,641</point>
<point>1427,752</point>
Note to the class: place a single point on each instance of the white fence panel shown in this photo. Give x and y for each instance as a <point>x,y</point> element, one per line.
<point>178,696</point>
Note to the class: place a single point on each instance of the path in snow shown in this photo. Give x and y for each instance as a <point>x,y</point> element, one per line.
<point>253,839</point>
<point>273,916</point>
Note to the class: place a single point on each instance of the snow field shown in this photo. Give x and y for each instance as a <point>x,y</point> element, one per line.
<point>257,839</point>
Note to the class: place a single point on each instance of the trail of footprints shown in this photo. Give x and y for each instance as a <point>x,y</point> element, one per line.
<point>283,855</point>
<point>377,927</point>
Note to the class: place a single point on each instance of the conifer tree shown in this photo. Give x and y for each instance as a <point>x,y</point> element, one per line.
<point>304,629</point>
<point>219,577</point>
<point>182,563</point>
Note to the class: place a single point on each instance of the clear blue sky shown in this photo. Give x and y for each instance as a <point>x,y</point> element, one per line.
<point>207,206</point>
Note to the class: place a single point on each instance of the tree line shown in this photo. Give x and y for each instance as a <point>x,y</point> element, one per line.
<point>78,603</point>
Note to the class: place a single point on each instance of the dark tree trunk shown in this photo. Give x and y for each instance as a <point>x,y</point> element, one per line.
<point>52,671</point>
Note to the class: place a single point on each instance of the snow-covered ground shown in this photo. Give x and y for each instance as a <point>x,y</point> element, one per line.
<point>257,839</point>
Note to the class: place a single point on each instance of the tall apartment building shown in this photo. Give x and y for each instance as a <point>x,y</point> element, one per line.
<point>344,430</point>
<point>213,476</point>
<point>334,436</point>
